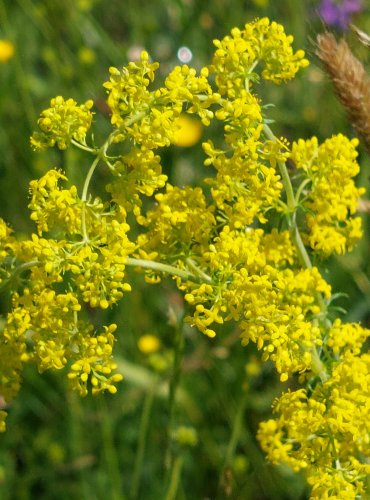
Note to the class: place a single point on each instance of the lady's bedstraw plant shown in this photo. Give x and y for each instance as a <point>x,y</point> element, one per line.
<point>240,247</point>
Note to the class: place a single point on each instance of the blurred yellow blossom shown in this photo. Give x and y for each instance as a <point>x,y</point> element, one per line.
<point>261,3</point>
<point>189,131</point>
<point>86,56</point>
<point>148,343</point>
<point>240,464</point>
<point>6,51</point>
<point>254,367</point>
<point>84,5</point>
<point>187,436</point>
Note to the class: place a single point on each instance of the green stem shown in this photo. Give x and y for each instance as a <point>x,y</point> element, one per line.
<point>301,249</point>
<point>84,197</point>
<point>236,432</point>
<point>110,453</point>
<point>17,271</point>
<point>166,268</point>
<point>175,479</point>
<point>144,424</point>
<point>283,172</point>
<point>317,366</point>
<point>83,147</point>
<point>100,155</point>
<point>300,189</point>
<point>291,204</point>
<point>174,383</point>
<point>88,178</point>
<point>198,271</point>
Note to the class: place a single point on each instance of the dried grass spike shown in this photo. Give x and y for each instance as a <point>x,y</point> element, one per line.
<point>350,80</point>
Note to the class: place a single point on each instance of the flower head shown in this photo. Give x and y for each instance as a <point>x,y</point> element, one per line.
<point>63,122</point>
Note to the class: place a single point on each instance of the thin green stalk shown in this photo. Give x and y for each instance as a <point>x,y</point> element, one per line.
<point>84,197</point>
<point>175,479</point>
<point>174,383</point>
<point>144,424</point>
<point>166,268</point>
<point>88,178</point>
<point>317,366</point>
<point>76,442</point>
<point>291,204</point>
<point>100,155</point>
<point>236,430</point>
<point>283,171</point>
<point>302,252</point>
<point>84,147</point>
<point>110,453</point>
<point>198,271</point>
<point>17,271</point>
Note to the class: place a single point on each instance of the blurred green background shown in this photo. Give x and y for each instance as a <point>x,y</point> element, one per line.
<point>59,446</point>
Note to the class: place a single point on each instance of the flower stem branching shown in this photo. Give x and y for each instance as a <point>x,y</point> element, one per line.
<point>17,271</point>
<point>166,268</point>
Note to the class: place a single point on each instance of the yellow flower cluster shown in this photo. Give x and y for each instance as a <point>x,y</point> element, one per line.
<point>274,305</point>
<point>332,197</point>
<point>326,433</point>
<point>44,328</point>
<point>51,206</point>
<point>238,54</point>
<point>244,187</point>
<point>236,246</point>
<point>5,238</point>
<point>180,224</point>
<point>98,269</point>
<point>94,363</point>
<point>149,118</point>
<point>61,123</point>
<point>344,338</point>
<point>137,173</point>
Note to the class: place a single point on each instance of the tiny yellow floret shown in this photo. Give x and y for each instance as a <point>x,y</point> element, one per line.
<point>148,344</point>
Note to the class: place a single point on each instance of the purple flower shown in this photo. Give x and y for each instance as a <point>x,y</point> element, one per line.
<point>339,12</point>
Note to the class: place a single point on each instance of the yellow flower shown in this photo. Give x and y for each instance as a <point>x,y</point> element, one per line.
<point>332,198</point>
<point>254,367</point>
<point>86,56</point>
<point>261,3</point>
<point>63,122</point>
<point>6,51</point>
<point>189,131</point>
<point>148,344</point>
<point>84,5</point>
<point>238,54</point>
<point>186,436</point>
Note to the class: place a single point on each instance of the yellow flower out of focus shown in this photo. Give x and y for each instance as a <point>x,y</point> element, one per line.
<point>254,367</point>
<point>84,5</point>
<point>6,50</point>
<point>148,344</point>
<point>189,131</point>
<point>187,436</point>
<point>261,3</point>
<point>86,56</point>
